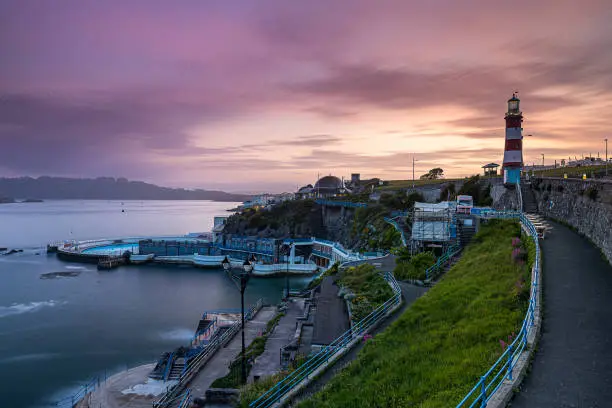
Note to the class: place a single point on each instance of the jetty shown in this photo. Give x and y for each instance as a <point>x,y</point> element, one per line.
<point>111,262</point>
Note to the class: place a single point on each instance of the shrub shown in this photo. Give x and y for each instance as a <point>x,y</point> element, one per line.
<point>369,287</point>
<point>415,268</point>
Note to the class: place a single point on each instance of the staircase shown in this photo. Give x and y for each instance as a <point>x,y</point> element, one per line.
<point>464,232</point>
<point>530,205</point>
<point>177,368</point>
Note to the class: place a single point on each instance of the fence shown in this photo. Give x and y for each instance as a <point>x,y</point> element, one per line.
<point>196,363</point>
<point>348,204</point>
<point>433,271</point>
<point>91,385</point>
<point>85,389</point>
<point>398,228</point>
<point>312,366</point>
<point>501,370</point>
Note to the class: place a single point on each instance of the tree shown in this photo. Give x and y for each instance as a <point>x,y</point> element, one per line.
<point>433,174</point>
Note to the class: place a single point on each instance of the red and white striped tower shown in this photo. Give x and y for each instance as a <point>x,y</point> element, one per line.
<point>513,152</point>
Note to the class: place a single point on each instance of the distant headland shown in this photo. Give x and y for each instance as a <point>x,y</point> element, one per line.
<point>10,200</point>
<point>102,188</point>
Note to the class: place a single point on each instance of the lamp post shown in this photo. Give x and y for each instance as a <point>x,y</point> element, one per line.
<point>242,279</point>
<point>287,274</point>
<point>606,140</point>
<point>542,164</point>
<point>413,160</point>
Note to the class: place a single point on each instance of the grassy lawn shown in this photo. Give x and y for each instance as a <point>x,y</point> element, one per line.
<point>402,184</point>
<point>436,351</point>
<point>572,172</point>
<point>398,184</point>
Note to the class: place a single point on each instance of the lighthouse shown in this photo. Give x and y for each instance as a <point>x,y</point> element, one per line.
<point>513,152</point>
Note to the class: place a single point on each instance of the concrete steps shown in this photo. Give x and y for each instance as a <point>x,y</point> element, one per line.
<point>177,369</point>
<point>542,226</point>
<point>530,204</point>
<point>466,232</point>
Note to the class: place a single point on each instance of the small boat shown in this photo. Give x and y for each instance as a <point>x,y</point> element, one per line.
<point>208,261</point>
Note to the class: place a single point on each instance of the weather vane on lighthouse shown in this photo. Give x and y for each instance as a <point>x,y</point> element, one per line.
<point>513,151</point>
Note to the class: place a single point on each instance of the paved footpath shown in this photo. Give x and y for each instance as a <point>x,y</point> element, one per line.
<point>573,364</point>
<point>218,365</point>
<point>268,362</point>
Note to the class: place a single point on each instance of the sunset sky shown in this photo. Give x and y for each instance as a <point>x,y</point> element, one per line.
<point>263,95</point>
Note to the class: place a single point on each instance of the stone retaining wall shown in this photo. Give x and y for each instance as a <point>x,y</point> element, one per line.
<point>585,205</point>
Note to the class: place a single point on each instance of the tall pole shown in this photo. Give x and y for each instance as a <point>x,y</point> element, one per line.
<point>413,170</point>
<point>287,274</point>
<point>242,288</point>
<point>606,140</point>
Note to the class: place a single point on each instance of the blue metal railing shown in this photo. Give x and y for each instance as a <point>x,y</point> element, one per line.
<point>321,254</point>
<point>169,363</point>
<point>398,228</point>
<point>433,271</point>
<point>71,401</point>
<point>492,380</point>
<point>186,400</point>
<point>335,348</point>
<point>348,204</point>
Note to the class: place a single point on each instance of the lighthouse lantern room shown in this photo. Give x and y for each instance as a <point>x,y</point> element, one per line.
<point>513,151</point>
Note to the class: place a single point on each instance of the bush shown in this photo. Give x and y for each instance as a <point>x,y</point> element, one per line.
<point>369,287</point>
<point>414,268</point>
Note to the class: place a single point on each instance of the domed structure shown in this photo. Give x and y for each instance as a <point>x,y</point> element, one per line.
<point>328,186</point>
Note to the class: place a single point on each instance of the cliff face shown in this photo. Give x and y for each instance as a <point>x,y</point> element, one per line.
<point>363,229</point>
<point>297,219</point>
<point>585,205</point>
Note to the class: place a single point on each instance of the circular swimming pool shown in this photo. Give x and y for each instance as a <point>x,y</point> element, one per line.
<point>113,249</point>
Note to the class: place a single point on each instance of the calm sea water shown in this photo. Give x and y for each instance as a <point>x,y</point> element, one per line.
<point>57,333</point>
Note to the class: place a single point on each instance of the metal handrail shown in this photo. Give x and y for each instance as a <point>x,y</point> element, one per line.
<point>336,347</point>
<point>519,194</point>
<point>398,228</point>
<point>432,271</point>
<point>492,380</point>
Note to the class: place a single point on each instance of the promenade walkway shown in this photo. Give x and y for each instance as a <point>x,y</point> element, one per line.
<point>218,366</point>
<point>268,362</point>
<point>573,364</point>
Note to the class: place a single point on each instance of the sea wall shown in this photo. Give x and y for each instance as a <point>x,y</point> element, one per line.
<point>586,205</point>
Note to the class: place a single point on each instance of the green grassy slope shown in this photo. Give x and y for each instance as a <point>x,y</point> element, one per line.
<point>436,351</point>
